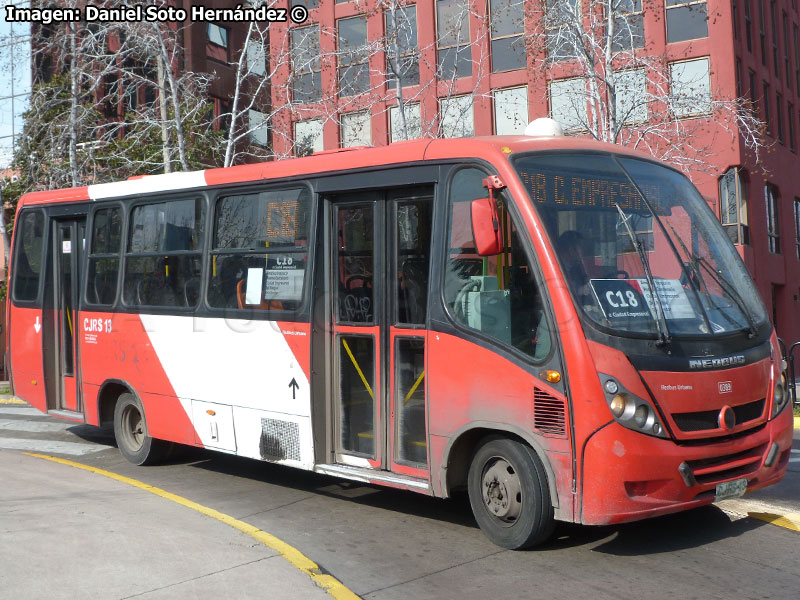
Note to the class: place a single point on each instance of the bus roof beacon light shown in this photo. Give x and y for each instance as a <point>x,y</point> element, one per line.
<point>544,127</point>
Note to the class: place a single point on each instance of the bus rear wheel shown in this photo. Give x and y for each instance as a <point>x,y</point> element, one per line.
<point>509,494</point>
<point>130,431</point>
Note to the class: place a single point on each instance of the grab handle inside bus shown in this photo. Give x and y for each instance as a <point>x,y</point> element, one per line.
<point>486,228</point>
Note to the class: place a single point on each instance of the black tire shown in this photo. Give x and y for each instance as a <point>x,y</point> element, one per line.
<point>509,494</point>
<point>130,431</point>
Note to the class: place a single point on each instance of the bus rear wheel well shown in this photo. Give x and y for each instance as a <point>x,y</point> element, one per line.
<point>107,401</point>
<point>463,450</point>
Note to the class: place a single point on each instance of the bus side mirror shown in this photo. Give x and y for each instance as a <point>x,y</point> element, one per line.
<point>486,227</point>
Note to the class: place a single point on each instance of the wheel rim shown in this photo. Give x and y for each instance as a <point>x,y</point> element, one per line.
<point>501,490</point>
<point>133,428</point>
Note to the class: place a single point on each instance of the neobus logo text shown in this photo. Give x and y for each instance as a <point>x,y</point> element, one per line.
<point>716,363</point>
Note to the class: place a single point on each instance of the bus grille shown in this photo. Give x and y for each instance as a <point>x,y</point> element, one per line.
<point>548,413</point>
<point>722,468</point>
<point>280,440</point>
<point>707,419</point>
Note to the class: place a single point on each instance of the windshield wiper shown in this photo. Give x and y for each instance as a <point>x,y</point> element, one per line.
<point>725,285</point>
<point>661,321</point>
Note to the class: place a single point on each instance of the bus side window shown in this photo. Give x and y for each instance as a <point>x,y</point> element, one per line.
<point>495,295</point>
<point>260,250</point>
<point>106,245</point>
<point>28,256</point>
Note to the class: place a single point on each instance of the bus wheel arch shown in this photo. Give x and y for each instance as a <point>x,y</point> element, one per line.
<point>463,445</point>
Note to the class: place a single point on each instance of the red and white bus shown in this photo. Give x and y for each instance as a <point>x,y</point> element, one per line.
<point>559,326</point>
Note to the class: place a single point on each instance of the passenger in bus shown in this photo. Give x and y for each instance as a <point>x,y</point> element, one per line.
<point>570,249</point>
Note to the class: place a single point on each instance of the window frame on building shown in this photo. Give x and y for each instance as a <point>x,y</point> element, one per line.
<point>408,51</point>
<point>796,207</point>
<point>352,69</point>
<point>218,50</point>
<point>733,205</point>
<point>310,70</point>
<point>317,144</point>
<point>690,112</point>
<point>623,15</point>
<point>507,44</point>
<point>791,128</point>
<point>773,14</point>
<point>552,26</point>
<point>497,107</point>
<point>460,67</point>
<point>360,134</point>
<point>635,115</point>
<point>458,128</point>
<point>258,128</point>
<point>779,117</point>
<point>408,108</point>
<point>683,7</point>
<point>580,116</point>
<point>772,203</point>
<point>748,24</point>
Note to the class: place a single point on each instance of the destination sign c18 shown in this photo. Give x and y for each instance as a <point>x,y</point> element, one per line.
<point>587,192</point>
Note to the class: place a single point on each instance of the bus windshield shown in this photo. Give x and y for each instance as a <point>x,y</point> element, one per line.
<point>641,251</point>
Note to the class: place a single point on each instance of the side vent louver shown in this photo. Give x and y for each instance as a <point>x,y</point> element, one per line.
<point>548,413</point>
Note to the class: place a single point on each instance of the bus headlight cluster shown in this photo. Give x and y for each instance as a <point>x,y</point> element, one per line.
<point>631,411</point>
<point>780,395</point>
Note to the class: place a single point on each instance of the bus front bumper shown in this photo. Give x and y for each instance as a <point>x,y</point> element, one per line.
<point>629,476</point>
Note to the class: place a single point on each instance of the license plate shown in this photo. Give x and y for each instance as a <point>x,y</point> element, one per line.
<point>731,489</point>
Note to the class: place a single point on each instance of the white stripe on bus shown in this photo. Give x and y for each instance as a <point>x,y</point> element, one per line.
<point>146,185</point>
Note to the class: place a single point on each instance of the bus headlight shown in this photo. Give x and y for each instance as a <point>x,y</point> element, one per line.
<point>780,396</point>
<point>631,411</point>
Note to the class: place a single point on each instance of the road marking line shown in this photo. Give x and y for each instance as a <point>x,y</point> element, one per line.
<point>293,556</point>
<point>787,521</point>
<point>12,401</point>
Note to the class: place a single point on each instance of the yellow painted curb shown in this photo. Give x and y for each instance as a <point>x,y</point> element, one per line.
<point>797,422</point>
<point>12,400</point>
<point>293,556</point>
<point>788,521</point>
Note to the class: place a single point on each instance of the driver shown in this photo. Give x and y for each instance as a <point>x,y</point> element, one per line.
<point>570,250</point>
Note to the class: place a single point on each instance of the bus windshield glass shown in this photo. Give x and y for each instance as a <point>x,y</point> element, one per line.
<point>640,249</point>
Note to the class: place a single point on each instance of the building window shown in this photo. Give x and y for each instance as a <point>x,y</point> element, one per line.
<point>568,103</point>
<point>779,115</point>
<point>796,44</point>
<point>748,25</point>
<point>258,127</point>
<point>457,117</point>
<point>773,221</point>
<point>309,4</point>
<point>735,15</point>
<point>508,43</point>
<point>453,54</point>
<point>691,88</point>
<point>787,65</point>
<point>401,29</point>
<point>353,56</point>
<point>686,20</point>
<point>630,96</point>
<point>510,110</point>
<point>217,42</point>
<point>797,226</point>
<point>765,106</point>
<point>628,26</point>
<point>560,19</point>
<point>256,59</point>
<point>790,121</point>
<point>773,15</point>
<point>733,206</point>
<point>356,129</point>
<point>308,137</point>
<point>306,76</point>
<point>752,91</point>
<point>762,31</point>
<point>739,78</point>
<point>413,124</point>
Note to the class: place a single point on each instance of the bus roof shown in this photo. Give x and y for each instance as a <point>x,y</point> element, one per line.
<point>493,148</point>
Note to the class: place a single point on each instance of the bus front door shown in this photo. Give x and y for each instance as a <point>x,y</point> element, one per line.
<point>61,316</point>
<point>378,277</point>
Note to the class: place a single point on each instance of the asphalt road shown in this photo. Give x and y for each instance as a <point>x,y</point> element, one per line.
<point>386,544</point>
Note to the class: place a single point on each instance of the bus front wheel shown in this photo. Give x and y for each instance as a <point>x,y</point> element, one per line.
<point>509,494</point>
<point>130,431</point>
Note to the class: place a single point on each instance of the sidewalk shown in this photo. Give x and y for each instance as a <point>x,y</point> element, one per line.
<point>72,534</point>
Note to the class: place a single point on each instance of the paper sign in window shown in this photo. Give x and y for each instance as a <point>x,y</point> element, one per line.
<point>284,284</point>
<point>253,291</point>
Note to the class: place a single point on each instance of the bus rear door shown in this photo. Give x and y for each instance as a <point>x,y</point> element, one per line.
<point>61,319</point>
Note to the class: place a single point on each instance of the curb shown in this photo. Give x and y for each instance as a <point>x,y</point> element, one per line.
<point>797,422</point>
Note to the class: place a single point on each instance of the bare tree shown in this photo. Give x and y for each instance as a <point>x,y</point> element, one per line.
<point>610,87</point>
